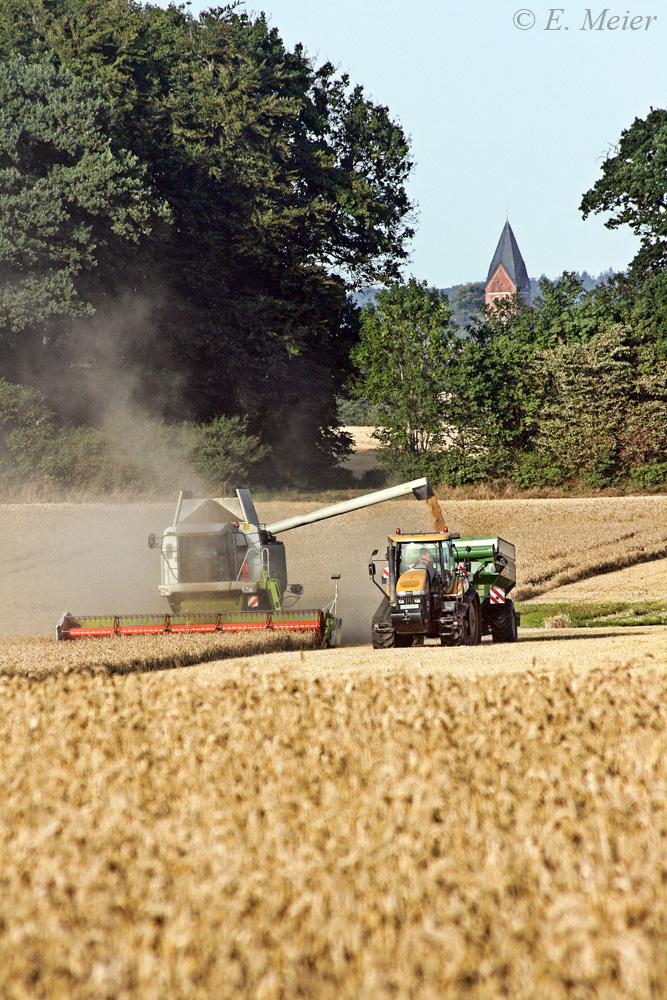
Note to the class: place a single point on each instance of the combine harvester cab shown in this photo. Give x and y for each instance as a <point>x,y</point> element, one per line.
<point>216,557</point>
<point>223,571</point>
<point>440,586</point>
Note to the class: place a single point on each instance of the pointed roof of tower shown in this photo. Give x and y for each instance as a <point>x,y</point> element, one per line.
<point>508,254</point>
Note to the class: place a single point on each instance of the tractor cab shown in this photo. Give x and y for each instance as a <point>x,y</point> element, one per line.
<point>413,554</point>
<point>429,552</point>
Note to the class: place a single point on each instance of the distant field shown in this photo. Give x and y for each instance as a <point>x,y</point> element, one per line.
<point>364,457</point>
<point>93,558</point>
<point>645,581</point>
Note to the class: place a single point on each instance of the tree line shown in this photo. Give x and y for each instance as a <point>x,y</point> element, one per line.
<point>185,204</point>
<point>187,208</point>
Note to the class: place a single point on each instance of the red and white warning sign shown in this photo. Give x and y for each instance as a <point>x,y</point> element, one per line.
<point>385,574</point>
<point>253,601</point>
<point>496,595</point>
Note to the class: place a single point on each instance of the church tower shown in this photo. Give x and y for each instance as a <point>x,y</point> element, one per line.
<point>507,273</point>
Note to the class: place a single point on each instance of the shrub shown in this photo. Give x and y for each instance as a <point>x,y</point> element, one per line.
<point>602,470</point>
<point>650,476</point>
<point>21,406</point>
<point>537,469</point>
<point>222,451</point>
<point>82,458</point>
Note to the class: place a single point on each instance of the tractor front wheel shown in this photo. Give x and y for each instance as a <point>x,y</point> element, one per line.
<point>384,639</point>
<point>387,638</point>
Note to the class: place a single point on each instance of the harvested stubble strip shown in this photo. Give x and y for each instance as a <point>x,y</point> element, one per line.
<point>41,656</point>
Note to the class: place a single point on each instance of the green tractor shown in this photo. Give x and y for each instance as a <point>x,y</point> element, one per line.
<point>437,585</point>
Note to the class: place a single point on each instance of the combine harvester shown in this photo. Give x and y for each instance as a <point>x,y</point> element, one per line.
<point>223,571</point>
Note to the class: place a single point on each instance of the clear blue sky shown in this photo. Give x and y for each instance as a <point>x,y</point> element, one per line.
<point>497,115</point>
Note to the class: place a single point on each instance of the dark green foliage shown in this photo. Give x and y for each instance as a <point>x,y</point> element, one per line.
<point>223,453</point>
<point>466,302</point>
<point>584,393</point>
<point>633,188</point>
<point>536,469</point>
<point>650,476</point>
<point>283,185</point>
<point>69,199</point>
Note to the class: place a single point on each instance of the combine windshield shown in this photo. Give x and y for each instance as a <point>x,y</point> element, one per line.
<point>209,558</point>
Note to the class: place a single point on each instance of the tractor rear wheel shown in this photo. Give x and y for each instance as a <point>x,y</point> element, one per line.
<point>472,624</point>
<point>502,622</point>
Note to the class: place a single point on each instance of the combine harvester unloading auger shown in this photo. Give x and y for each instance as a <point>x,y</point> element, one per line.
<point>223,571</point>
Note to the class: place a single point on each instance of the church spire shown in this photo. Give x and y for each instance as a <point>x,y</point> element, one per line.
<point>507,273</point>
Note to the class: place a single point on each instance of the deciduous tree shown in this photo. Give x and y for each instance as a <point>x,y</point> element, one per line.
<point>633,188</point>
<point>286,187</point>
<point>403,359</point>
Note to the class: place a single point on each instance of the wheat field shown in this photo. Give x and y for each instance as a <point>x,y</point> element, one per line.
<point>283,822</point>
<point>338,824</point>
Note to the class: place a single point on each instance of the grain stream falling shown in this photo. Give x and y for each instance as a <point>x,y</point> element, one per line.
<point>232,831</point>
<point>436,514</point>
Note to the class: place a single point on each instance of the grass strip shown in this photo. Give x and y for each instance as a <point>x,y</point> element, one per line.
<point>596,614</point>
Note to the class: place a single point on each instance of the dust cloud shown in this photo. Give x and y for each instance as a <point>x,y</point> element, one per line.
<point>118,380</point>
<point>85,558</point>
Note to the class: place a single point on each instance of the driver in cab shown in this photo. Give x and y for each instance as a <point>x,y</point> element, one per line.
<point>421,558</point>
<point>425,562</point>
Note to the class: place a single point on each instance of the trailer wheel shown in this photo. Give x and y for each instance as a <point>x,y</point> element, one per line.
<point>472,625</point>
<point>502,622</point>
